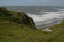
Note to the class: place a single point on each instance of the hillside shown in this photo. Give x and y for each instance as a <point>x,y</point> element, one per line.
<point>16,17</point>
<point>18,27</point>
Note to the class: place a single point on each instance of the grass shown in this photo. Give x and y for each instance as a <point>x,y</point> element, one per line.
<point>14,33</point>
<point>11,31</point>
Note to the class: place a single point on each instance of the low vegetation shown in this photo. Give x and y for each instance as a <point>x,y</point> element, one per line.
<point>11,31</point>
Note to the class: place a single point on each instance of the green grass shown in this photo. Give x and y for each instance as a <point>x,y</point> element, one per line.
<point>11,31</point>
<point>17,17</point>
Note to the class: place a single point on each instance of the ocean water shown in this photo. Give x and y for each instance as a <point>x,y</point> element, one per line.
<point>43,16</point>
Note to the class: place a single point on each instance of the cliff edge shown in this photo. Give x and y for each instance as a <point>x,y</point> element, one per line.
<point>16,17</point>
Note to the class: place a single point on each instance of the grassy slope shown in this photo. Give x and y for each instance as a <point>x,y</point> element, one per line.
<point>12,32</point>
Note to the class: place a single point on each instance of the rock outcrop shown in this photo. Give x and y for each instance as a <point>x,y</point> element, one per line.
<point>17,17</point>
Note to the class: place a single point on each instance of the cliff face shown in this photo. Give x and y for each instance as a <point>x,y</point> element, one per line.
<point>16,17</point>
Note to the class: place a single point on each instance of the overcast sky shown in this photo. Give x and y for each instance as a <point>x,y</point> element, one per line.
<point>31,2</point>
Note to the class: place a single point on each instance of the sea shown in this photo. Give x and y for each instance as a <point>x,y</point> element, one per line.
<point>43,16</point>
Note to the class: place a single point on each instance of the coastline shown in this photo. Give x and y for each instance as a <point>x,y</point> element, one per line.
<point>45,27</point>
<point>49,26</point>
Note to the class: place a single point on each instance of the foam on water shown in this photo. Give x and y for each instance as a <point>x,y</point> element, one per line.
<point>12,8</point>
<point>47,18</point>
<point>7,8</point>
<point>42,15</point>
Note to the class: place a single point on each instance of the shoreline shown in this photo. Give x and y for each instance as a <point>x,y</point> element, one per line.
<point>48,26</point>
<point>45,27</point>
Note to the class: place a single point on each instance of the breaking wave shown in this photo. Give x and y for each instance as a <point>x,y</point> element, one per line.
<point>47,18</point>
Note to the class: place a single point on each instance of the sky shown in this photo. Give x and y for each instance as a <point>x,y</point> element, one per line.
<point>31,2</point>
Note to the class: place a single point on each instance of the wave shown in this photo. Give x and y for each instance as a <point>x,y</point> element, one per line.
<point>42,15</point>
<point>47,18</point>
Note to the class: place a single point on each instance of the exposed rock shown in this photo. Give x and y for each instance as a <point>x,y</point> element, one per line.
<point>21,25</point>
<point>47,30</point>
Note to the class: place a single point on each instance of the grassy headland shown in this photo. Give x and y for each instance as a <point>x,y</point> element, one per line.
<point>12,31</point>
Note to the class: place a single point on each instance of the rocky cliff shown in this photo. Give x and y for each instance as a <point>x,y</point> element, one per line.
<point>16,17</point>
